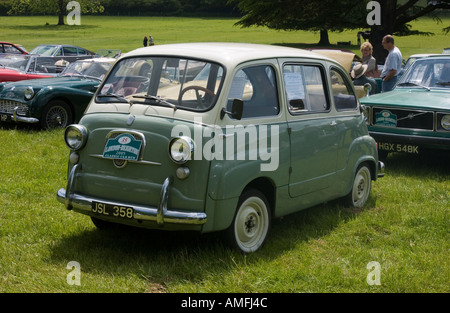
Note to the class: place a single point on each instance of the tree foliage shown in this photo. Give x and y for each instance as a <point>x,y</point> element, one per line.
<point>337,15</point>
<point>53,7</point>
<point>313,15</point>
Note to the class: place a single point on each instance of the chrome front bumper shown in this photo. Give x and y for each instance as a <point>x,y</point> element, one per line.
<point>15,117</point>
<point>160,214</point>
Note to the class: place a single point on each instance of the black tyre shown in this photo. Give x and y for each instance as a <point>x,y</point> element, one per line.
<point>57,114</point>
<point>362,184</point>
<point>251,223</point>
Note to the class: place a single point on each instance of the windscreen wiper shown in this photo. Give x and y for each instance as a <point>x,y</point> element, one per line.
<point>157,99</point>
<point>113,95</point>
<point>414,84</point>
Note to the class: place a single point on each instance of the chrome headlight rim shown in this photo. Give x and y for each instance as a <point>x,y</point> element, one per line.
<point>29,93</point>
<point>75,137</point>
<point>445,122</point>
<point>181,149</point>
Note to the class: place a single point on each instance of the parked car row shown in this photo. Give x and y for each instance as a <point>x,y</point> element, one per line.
<point>53,102</point>
<point>297,133</point>
<point>52,85</point>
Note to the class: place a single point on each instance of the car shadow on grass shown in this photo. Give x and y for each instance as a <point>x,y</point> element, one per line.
<point>427,164</point>
<point>161,257</point>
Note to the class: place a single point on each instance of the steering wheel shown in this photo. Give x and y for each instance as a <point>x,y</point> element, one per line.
<point>197,89</point>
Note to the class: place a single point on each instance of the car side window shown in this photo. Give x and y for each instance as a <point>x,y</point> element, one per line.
<point>343,94</point>
<point>70,51</point>
<point>11,49</point>
<point>305,88</point>
<point>256,87</point>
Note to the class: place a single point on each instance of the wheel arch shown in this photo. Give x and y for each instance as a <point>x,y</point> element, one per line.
<point>267,187</point>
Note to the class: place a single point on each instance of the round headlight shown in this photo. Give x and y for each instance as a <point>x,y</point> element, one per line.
<point>445,122</point>
<point>181,149</point>
<point>29,93</point>
<point>75,136</point>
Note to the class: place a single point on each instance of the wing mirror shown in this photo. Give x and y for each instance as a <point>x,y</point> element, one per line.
<point>236,110</point>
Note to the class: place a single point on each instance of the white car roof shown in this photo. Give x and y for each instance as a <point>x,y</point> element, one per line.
<point>225,53</point>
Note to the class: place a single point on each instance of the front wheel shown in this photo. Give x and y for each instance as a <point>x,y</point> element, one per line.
<point>251,224</point>
<point>362,183</point>
<point>57,114</point>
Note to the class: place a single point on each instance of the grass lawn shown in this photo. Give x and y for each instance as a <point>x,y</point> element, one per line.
<point>404,227</point>
<point>127,33</point>
<point>327,248</point>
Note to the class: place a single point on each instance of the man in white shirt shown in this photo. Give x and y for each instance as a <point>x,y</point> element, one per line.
<point>392,65</point>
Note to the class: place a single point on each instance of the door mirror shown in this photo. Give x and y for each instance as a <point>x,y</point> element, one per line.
<point>236,110</point>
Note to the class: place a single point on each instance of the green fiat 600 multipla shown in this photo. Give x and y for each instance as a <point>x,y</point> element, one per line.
<point>218,136</point>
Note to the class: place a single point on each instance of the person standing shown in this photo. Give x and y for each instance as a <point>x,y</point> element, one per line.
<point>150,41</point>
<point>392,65</point>
<point>145,41</point>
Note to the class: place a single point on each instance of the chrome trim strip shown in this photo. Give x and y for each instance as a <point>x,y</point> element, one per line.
<point>99,156</point>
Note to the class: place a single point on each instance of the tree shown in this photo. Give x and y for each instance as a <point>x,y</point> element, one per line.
<point>395,18</point>
<point>314,15</point>
<point>57,7</point>
<point>337,15</point>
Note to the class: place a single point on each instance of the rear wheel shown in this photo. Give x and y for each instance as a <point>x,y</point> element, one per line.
<point>362,184</point>
<point>251,224</point>
<point>57,114</point>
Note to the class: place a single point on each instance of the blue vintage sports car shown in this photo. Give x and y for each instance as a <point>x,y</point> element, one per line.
<point>53,102</point>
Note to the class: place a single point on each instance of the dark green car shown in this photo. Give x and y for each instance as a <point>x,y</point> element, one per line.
<point>415,116</point>
<point>53,102</point>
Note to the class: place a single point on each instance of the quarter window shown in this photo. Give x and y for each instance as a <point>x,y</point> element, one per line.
<point>305,88</point>
<point>343,94</point>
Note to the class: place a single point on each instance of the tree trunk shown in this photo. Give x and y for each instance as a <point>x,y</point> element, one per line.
<point>324,39</point>
<point>387,27</point>
<point>61,12</point>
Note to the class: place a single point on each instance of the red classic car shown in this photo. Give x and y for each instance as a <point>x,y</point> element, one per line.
<point>21,67</point>
<point>10,48</point>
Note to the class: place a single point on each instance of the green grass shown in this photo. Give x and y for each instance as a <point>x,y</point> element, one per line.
<point>127,33</point>
<point>404,227</point>
<point>327,248</point>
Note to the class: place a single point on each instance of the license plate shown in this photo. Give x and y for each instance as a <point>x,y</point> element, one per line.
<point>112,210</point>
<point>3,117</point>
<point>398,147</point>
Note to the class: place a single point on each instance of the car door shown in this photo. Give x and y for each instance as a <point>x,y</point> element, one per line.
<point>312,127</point>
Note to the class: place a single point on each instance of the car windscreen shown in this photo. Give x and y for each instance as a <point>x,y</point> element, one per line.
<point>179,83</point>
<point>45,50</point>
<point>87,69</point>
<point>17,62</point>
<point>427,73</point>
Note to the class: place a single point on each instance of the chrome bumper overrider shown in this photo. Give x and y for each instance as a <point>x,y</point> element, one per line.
<point>160,214</point>
<point>380,169</point>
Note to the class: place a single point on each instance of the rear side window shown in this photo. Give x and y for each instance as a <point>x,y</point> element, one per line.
<point>70,51</point>
<point>343,94</point>
<point>305,88</point>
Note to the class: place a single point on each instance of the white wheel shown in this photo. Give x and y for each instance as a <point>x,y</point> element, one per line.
<point>251,224</point>
<point>361,187</point>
